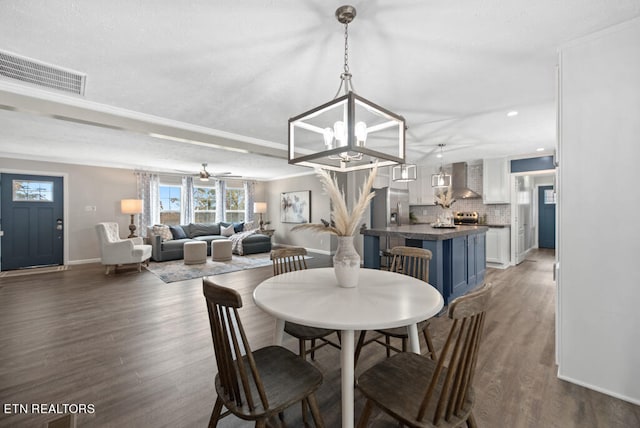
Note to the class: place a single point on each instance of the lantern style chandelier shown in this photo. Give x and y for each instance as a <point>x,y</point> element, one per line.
<point>349,132</point>
<point>404,173</point>
<point>441,179</point>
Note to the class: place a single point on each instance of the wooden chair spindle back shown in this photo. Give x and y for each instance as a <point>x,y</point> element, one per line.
<point>230,343</point>
<point>411,261</point>
<point>288,259</point>
<point>461,352</point>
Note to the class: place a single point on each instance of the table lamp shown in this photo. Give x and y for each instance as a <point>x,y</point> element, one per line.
<point>260,208</point>
<point>132,207</point>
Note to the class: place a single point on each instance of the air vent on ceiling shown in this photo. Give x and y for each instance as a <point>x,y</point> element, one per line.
<point>41,74</point>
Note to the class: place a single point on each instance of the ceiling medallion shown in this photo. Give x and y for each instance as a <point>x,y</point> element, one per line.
<point>349,132</point>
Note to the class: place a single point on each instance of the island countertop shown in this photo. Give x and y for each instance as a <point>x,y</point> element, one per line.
<point>425,232</point>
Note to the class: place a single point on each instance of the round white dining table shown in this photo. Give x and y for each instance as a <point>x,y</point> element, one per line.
<point>381,299</point>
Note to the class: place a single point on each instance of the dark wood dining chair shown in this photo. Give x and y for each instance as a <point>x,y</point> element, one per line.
<point>414,262</point>
<point>420,392</point>
<point>288,260</point>
<point>254,385</point>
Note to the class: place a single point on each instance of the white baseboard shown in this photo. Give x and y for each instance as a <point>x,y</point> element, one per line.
<point>632,400</point>
<point>498,265</point>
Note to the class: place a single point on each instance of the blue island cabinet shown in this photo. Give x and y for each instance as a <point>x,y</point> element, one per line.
<point>458,263</point>
<point>465,263</point>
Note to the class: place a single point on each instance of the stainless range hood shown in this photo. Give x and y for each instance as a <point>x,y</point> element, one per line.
<point>459,182</point>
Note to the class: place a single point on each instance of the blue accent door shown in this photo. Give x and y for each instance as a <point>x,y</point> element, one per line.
<point>546,217</point>
<point>31,209</point>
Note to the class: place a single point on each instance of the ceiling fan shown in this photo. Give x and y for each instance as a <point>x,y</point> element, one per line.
<point>206,175</point>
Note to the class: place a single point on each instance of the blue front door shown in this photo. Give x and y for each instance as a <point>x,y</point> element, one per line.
<point>31,207</point>
<point>546,217</point>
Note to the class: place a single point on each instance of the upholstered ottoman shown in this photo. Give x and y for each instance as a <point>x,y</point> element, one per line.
<point>221,250</point>
<point>195,252</point>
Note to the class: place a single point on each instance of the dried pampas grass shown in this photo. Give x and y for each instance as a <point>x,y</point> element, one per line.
<point>444,198</point>
<point>343,223</point>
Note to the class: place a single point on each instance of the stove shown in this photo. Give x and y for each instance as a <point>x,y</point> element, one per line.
<point>465,218</point>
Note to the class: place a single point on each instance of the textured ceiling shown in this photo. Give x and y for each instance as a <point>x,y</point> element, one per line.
<point>231,73</point>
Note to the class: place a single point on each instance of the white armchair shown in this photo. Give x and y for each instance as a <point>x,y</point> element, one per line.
<point>116,251</point>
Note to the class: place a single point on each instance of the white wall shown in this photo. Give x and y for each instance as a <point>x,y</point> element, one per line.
<point>102,188</point>
<point>320,208</point>
<point>599,273</point>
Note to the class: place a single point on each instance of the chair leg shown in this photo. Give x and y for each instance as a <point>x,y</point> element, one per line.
<point>366,413</point>
<point>387,341</point>
<point>430,347</point>
<point>359,348</point>
<point>315,411</point>
<point>215,415</point>
<point>471,421</point>
<point>302,349</point>
<point>303,354</point>
<point>313,350</point>
<point>140,267</point>
<point>404,344</point>
<point>261,423</point>
<point>305,420</point>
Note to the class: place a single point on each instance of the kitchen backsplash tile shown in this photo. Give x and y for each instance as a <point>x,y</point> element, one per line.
<point>496,213</point>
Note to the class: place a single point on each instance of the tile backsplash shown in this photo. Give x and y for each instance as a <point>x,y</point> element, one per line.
<point>496,213</point>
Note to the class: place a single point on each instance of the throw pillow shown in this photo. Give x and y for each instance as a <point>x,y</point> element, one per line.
<point>177,232</point>
<point>163,231</point>
<point>238,227</point>
<point>248,226</point>
<point>228,230</point>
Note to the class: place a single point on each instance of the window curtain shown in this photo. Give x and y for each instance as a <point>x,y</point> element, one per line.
<point>221,198</point>
<point>186,206</point>
<point>149,191</point>
<point>250,197</point>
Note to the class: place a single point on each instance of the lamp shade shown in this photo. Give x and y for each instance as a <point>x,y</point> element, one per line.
<point>131,206</point>
<point>260,207</point>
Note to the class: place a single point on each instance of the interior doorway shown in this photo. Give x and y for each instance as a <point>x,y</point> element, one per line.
<point>31,215</point>
<point>526,212</point>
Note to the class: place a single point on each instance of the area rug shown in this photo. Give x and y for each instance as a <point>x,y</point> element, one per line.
<point>176,270</point>
<point>33,271</point>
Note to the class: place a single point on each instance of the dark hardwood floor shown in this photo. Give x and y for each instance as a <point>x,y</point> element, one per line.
<point>140,351</point>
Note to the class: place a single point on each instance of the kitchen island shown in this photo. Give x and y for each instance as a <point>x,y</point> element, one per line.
<point>458,262</point>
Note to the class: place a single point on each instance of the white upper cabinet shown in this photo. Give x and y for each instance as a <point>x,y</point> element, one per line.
<point>495,181</point>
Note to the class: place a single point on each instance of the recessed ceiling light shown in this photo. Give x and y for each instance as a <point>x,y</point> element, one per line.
<point>512,113</point>
<point>540,149</point>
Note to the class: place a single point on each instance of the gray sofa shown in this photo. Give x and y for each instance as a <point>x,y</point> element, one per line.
<point>163,250</point>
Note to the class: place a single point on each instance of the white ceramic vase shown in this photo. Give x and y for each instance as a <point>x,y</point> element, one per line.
<point>447,216</point>
<point>346,262</point>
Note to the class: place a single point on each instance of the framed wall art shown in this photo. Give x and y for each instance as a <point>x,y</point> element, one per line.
<point>295,207</point>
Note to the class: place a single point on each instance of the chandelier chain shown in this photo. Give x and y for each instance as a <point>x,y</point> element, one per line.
<point>346,84</point>
<point>346,48</point>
